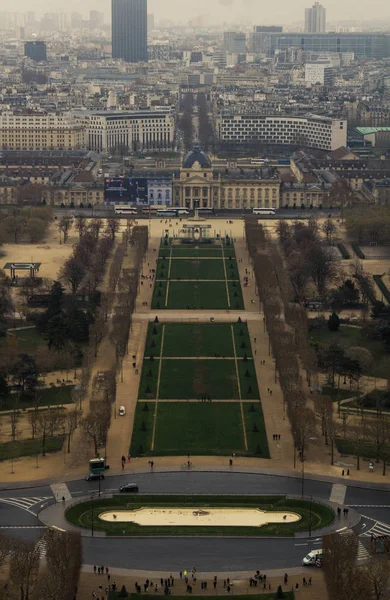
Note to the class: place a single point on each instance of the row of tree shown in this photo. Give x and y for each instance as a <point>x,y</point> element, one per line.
<point>29,579</point>
<point>206,131</point>
<point>287,329</point>
<point>25,224</point>
<point>185,122</point>
<point>368,224</point>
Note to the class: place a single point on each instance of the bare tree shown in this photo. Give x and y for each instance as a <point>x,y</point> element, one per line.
<point>72,421</point>
<point>343,578</point>
<point>95,227</point>
<point>48,423</point>
<point>63,557</point>
<point>329,228</point>
<point>14,418</point>
<point>24,569</point>
<point>357,435</point>
<point>32,418</point>
<point>64,225</point>
<point>321,266</point>
<point>73,272</point>
<point>113,225</point>
<point>378,575</point>
<point>81,224</point>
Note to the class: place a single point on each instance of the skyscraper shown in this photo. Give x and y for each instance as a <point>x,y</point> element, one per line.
<point>129,30</point>
<point>234,42</point>
<point>315,19</point>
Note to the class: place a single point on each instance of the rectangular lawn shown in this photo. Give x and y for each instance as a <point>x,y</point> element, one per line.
<point>197,268</point>
<point>186,379</point>
<point>198,428</point>
<point>199,295</point>
<point>203,339</point>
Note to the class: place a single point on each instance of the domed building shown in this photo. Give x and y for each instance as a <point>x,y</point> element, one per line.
<point>199,184</point>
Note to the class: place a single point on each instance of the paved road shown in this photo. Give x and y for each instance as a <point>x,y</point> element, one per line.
<point>18,509</point>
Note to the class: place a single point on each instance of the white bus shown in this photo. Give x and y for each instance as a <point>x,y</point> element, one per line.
<point>167,213</point>
<point>121,209</point>
<point>264,211</point>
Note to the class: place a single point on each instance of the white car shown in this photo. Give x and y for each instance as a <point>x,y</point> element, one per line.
<point>122,411</point>
<point>313,558</point>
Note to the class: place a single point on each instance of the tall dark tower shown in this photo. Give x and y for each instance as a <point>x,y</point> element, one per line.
<point>129,30</point>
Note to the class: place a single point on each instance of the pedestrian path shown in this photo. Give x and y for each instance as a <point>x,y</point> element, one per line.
<point>338,493</point>
<point>60,491</point>
<point>25,503</point>
<point>41,546</point>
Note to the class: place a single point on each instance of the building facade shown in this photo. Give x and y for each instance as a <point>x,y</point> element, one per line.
<point>132,130</point>
<point>314,131</point>
<point>363,45</point>
<point>315,19</point>
<point>261,38</point>
<point>41,131</point>
<point>129,30</point>
<point>35,50</point>
<point>199,185</point>
<point>234,42</point>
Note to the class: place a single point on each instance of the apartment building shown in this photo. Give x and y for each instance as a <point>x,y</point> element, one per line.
<point>312,131</point>
<point>41,131</point>
<point>132,130</point>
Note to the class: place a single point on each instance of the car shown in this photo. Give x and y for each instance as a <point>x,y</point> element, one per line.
<point>129,488</point>
<point>314,558</point>
<point>122,411</point>
<point>94,476</point>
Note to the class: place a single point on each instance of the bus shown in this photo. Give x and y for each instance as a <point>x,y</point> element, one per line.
<point>172,212</point>
<point>97,465</point>
<point>121,209</point>
<point>264,211</point>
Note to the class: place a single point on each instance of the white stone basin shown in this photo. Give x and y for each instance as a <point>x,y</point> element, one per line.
<point>220,517</point>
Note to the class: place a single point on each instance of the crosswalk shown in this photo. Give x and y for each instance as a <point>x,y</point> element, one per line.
<point>378,528</point>
<point>362,552</point>
<point>41,546</point>
<point>26,503</point>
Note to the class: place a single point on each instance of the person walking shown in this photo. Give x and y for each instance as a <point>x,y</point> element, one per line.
<point>285,578</point>
<point>94,569</point>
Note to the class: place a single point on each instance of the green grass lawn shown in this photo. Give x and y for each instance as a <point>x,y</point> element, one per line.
<point>207,295</point>
<point>248,380</point>
<point>28,340</point>
<point>186,379</point>
<point>148,383</point>
<point>209,268</point>
<point>201,339</point>
<point>270,596</point>
<point>191,251</point>
<point>45,397</point>
<point>256,434</point>
<point>198,428</point>
<point>29,447</point>
<point>141,438</point>
<point>348,336</point>
<point>81,514</point>
<point>346,446</point>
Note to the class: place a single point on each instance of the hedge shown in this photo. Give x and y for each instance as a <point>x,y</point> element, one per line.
<point>343,251</point>
<point>382,286</point>
<point>358,251</point>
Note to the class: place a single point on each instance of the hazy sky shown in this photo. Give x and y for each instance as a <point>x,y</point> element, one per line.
<point>220,11</point>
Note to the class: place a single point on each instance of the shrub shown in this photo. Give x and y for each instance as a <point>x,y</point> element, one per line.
<point>343,251</point>
<point>358,251</point>
<point>382,286</point>
<point>333,322</point>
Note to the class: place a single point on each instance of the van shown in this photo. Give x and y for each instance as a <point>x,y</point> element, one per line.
<point>314,558</point>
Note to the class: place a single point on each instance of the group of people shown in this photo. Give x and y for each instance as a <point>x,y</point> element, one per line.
<point>103,591</point>
<point>276,436</point>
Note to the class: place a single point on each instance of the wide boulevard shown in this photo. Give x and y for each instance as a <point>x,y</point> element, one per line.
<point>19,508</point>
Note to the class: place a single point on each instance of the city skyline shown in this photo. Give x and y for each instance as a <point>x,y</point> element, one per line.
<point>233,11</point>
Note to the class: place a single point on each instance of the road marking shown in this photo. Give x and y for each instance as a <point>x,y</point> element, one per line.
<point>25,503</point>
<point>55,527</point>
<point>301,544</point>
<point>342,529</point>
<point>317,542</point>
<point>239,390</point>
<point>379,528</point>
<point>362,553</point>
<point>338,493</point>
<point>41,545</point>
<point>369,505</point>
<point>158,386</point>
<point>60,490</point>
<point>23,527</point>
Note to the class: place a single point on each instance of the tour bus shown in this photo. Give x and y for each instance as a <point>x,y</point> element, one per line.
<point>264,211</point>
<point>121,209</point>
<point>172,212</point>
<point>97,465</point>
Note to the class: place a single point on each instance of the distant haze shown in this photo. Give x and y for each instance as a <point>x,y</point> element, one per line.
<point>219,11</point>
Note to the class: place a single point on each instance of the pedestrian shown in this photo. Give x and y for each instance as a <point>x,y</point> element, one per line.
<point>98,570</point>
<point>338,511</point>
<point>348,472</point>
<point>304,581</point>
<point>230,462</point>
<point>285,578</point>
<point>151,464</point>
<point>270,392</point>
<point>107,570</point>
<point>181,574</point>
<point>309,580</point>
<point>296,587</point>
<point>254,339</point>
<point>123,465</point>
<point>102,569</point>
<point>108,577</point>
<point>342,473</point>
<point>224,583</point>
<point>94,569</point>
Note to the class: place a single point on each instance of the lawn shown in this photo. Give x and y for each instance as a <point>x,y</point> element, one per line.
<point>346,446</point>
<point>45,397</point>
<point>198,428</point>
<point>184,251</point>
<point>269,596</point>
<point>208,295</point>
<point>348,336</point>
<point>248,380</point>
<point>201,339</point>
<point>319,514</point>
<point>186,379</point>
<point>30,447</point>
<point>141,438</point>
<point>149,376</point>
<point>208,268</point>
<point>256,434</point>
<point>28,340</point>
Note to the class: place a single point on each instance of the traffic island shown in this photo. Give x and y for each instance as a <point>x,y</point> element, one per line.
<point>194,516</point>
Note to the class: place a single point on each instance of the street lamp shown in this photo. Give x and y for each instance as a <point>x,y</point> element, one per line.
<point>311,500</point>
<point>303,477</point>
<point>92,515</point>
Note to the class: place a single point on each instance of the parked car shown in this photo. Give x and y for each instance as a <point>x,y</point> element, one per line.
<point>314,558</point>
<point>129,488</point>
<point>94,476</point>
<point>122,411</point>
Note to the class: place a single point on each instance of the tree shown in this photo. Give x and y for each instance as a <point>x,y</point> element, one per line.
<point>48,422</point>
<point>73,273</point>
<point>346,294</point>
<point>72,421</point>
<point>56,332</point>
<point>333,322</point>
<point>15,224</point>
<point>24,569</point>
<point>6,303</point>
<point>329,227</point>
<point>321,266</point>
<point>95,425</point>
<point>378,575</point>
<point>64,225</point>
<point>343,578</point>
<point>63,557</point>
<point>362,356</point>
<point>81,224</point>
<point>113,225</point>
<point>357,435</point>
<point>95,228</point>
<point>25,372</point>
<point>35,230</point>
